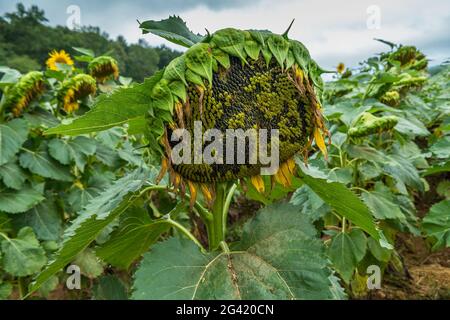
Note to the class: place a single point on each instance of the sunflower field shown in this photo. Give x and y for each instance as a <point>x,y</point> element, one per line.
<point>94,206</point>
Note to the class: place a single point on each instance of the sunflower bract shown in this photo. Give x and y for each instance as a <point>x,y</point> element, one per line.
<point>28,88</point>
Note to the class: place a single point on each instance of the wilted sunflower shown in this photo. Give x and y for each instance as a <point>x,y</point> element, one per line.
<point>75,89</point>
<point>240,79</point>
<point>28,88</point>
<point>58,57</point>
<point>368,124</point>
<point>408,57</point>
<point>103,68</point>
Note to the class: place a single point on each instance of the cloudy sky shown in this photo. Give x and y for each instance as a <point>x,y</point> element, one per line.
<point>334,30</point>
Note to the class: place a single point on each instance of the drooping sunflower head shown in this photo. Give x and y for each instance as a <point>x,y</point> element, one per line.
<point>56,58</point>
<point>75,89</point>
<point>228,86</point>
<point>28,88</point>
<point>103,68</point>
<point>368,124</point>
<point>409,56</point>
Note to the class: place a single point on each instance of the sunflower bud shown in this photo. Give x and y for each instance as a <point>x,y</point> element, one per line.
<point>368,124</point>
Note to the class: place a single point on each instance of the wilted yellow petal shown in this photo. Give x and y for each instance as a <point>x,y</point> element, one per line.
<point>193,192</point>
<point>318,137</point>
<point>162,172</point>
<point>258,183</point>
<point>206,192</point>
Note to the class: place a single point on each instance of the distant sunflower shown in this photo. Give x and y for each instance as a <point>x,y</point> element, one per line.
<point>75,89</point>
<point>340,68</point>
<point>58,57</point>
<point>28,88</point>
<point>103,68</point>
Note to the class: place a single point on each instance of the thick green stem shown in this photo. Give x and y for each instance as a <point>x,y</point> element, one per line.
<point>216,229</point>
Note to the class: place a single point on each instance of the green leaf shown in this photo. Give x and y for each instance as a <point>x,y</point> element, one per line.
<point>10,76</point>
<point>23,255</point>
<point>173,29</point>
<point>93,219</point>
<point>436,224</point>
<point>12,175</point>
<point>310,203</point>
<point>179,90</point>
<point>199,60</point>
<point>115,109</point>
<point>40,163</point>
<point>345,254</point>
<point>107,155</point>
<point>381,203</point>
<point>86,52</point>
<point>136,227</point>
<point>90,265</point>
<point>279,47</point>
<point>345,202</point>
<point>77,150</point>
<point>380,253</point>
<point>279,257</point>
<point>12,136</point>
<point>110,288</point>
<point>44,219</point>
<point>19,201</point>
<point>231,41</point>
<point>6,289</point>
<point>441,149</point>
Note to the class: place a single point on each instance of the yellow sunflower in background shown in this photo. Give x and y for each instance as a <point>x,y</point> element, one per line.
<point>340,68</point>
<point>56,57</point>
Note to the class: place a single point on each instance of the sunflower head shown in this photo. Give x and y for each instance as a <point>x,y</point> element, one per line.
<point>28,88</point>
<point>391,98</point>
<point>56,58</point>
<point>75,89</point>
<point>103,68</point>
<point>368,124</point>
<point>340,68</point>
<point>409,57</point>
<point>244,81</point>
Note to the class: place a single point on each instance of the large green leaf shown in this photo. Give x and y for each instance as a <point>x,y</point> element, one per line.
<point>173,29</point>
<point>436,224</point>
<point>136,233</point>
<point>345,202</point>
<point>279,257</point>
<point>93,219</point>
<point>76,150</point>
<point>346,251</point>
<point>12,175</point>
<point>23,255</point>
<point>381,203</point>
<point>40,163</point>
<point>12,136</point>
<point>44,219</point>
<point>115,109</point>
<point>19,201</point>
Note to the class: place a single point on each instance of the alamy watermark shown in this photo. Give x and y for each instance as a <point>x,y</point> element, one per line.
<point>73,22</point>
<point>249,147</point>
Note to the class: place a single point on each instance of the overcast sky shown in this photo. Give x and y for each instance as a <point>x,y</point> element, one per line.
<point>334,31</point>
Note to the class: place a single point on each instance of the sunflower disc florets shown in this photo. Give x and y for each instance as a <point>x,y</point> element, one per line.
<point>103,68</point>
<point>75,89</point>
<point>28,88</point>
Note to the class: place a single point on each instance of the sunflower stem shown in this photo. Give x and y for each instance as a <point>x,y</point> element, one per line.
<point>216,227</point>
